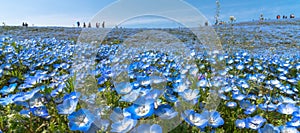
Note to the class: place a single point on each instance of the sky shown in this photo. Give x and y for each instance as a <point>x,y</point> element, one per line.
<point>139,12</point>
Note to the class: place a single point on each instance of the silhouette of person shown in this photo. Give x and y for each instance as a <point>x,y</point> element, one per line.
<point>89,25</point>
<point>78,24</point>
<point>278,16</point>
<point>84,25</point>
<point>103,24</point>
<point>97,25</point>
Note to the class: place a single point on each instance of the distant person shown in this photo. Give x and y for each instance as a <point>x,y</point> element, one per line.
<point>103,24</point>
<point>97,25</point>
<point>23,24</point>
<point>278,17</point>
<point>292,16</point>
<point>89,25</point>
<point>206,23</point>
<point>84,25</point>
<point>78,24</point>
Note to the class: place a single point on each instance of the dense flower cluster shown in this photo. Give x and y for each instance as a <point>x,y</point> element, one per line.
<point>37,76</point>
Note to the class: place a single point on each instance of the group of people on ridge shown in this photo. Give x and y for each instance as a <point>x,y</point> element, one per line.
<point>90,25</point>
<point>285,17</point>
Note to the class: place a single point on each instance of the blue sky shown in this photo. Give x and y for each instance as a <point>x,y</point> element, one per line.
<point>67,12</point>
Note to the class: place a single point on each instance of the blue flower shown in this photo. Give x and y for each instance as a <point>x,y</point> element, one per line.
<point>140,111</point>
<point>194,119</point>
<point>249,110</point>
<point>8,89</point>
<point>240,123</point>
<point>238,97</point>
<point>40,111</point>
<point>255,122</point>
<point>131,97</point>
<point>123,88</point>
<point>165,111</point>
<point>231,104</point>
<point>295,122</point>
<point>269,128</point>
<point>214,118</point>
<point>147,128</point>
<point>72,95</point>
<point>81,120</point>
<point>67,107</point>
<point>190,95</point>
<point>288,129</point>
<point>123,126</point>
<point>268,107</point>
<point>287,109</point>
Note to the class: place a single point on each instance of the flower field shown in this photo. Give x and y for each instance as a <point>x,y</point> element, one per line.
<point>49,82</point>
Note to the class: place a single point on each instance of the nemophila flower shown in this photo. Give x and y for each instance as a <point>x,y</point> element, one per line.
<point>214,118</point>
<point>202,83</point>
<point>296,114</point>
<point>37,100</point>
<point>249,110</point>
<point>238,97</point>
<point>288,129</point>
<point>240,123</point>
<point>138,111</point>
<point>7,100</point>
<point>40,111</point>
<point>190,96</point>
<point>118,114</point>
<point>67,107</point>
<point>21,96</point>
<point>8,89</point>
<point>123,88</point>
<point>147,128</point>
<point>81,120</point>
<point>165,111</point>
<point>286,100</point>
<point>123,126</point>
<point>131,97</point>
<point>269,128</point>
<point>255,122</point>
<point>72,95</point>
<point>295,122</point>
<point>25,113</point>
<point>287,109</point>
<point>150,97</point>
<point>180,87</point>
<point>245,104</point>
<point>194,119</point>
<point>268,107</point>
<point>231,104</point>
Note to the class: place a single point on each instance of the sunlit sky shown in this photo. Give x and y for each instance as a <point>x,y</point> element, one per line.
<point>68,12</point>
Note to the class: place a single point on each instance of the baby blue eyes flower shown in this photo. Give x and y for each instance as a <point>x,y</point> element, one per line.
<point>140,111</point>
<point>255,122</point>
<point>214,118</point>
<point>67,107</point>
<point>240,123</point>
<point>295,122</point>
<point>81,120</point>
<point>147,128</point>
<point>269,128</point>
<point>288,129</point>
<point>194,118</point>
<point>123,88</point>
<point>287,109</point>
<point>231,104</point>
<point>190,95</point>
<point>165,111</point>
<point>123,126</point>
<point>8,89</point>
<point>40,111</point>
